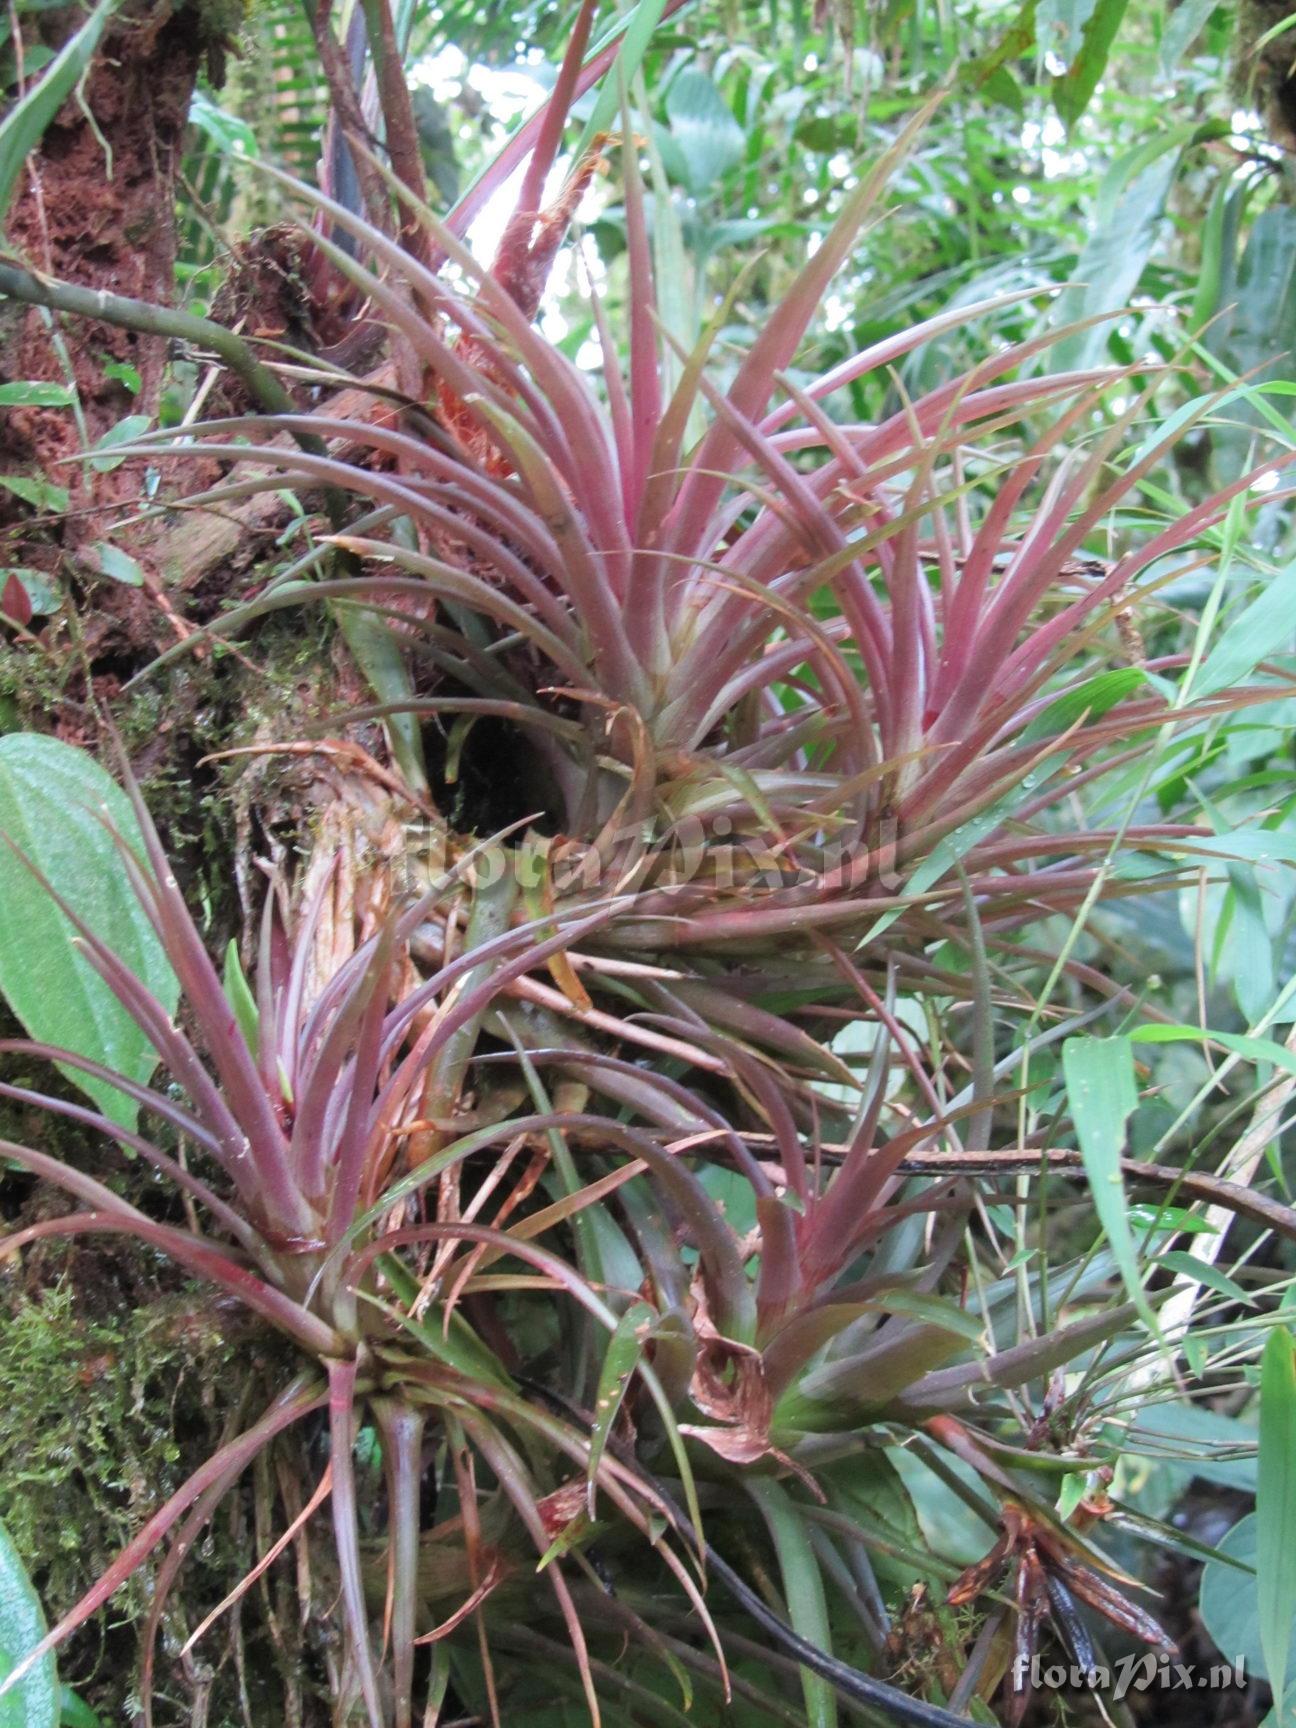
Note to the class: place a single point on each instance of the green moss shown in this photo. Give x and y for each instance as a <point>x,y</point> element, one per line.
<point>222,18</point>
<point>91,1440</point>
<point>114,1388</point>
<point>30,685</point>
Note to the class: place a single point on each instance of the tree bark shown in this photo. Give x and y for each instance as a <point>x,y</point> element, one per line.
<point>96,206</point>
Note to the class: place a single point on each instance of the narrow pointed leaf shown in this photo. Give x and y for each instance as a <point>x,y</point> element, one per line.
<point>625,1348</point>
<point>1103,1095</point>
<point>803,1588</point>
<point>1276,1506</point>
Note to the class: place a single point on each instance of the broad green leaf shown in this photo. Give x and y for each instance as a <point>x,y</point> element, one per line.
<point>1060,26</point>
<point>1200,1442</point>
<point>1182,27</point>
<point>119,566</point>
<point>1237,1043</point>
<point>1205,1272</point>
<point>1073,91</point>
<point>34,1701</point>
<point>1276,1506</point>
<point>30,393</point>
<point>1171,1220</point>
<point>803,1589</point>
<point>436,134</point>
<point>1250,954</point>
<point>1265,627</point>
<point>23,126</point>
<point>1217,233</point>
<point>733,1193</point>
<point>950,1526</point>
<point>1256,845</point>
<point>1257,331</point>
<point>226,131</point>
<point>936,1310</point>
<point>74,1712</point>
<point>1127,220</point>
<point>51,797</point>
<point>988,71</point>
<point>122,372</point>
<point>1229,1603</point>
<point>1102,1096</point>
<point>707,139</point>
<point>1090,701</point>
<point>674,276</point>
<point>40,494</point>
<point>125,431</point>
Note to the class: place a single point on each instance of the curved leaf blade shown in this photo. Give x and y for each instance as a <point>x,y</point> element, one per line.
<point>52,797</point>
<point>34,1702</point>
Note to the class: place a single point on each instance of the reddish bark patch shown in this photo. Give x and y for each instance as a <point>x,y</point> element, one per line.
<point>102,221</point>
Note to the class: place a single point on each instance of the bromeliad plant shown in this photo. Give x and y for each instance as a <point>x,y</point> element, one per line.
<point>783,674</point>
<point>693,1345</point>
<point>302,1107</point>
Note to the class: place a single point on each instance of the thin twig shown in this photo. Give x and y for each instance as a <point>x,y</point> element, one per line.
<point>1234,1197</point>
<point>151,320</point>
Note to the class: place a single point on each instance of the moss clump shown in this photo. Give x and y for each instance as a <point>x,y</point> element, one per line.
<point>102,1416</point>
<point>1264,64</point>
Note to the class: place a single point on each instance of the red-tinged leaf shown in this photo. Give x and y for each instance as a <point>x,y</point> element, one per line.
<point>15,602</point>
<point>802,1338</point>
<point>237,1225</point>
<point>346,1530</point>
<point>1112,1605</point>
<point>545,149</point>
<point>192,1253</point>
<point>183,1542</point>
<point>470,1604</point>
<point>519,147</point>
<point>401,1425</point>
<point>517,1485</point>
<point>775,346</point>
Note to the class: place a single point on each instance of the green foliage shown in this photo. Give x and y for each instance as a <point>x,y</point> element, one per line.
<point>1276,1507</point>
<point>54,802</point>
<point>23,126</point>
<point>35,1702</point>
<point>1102,1095</point>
